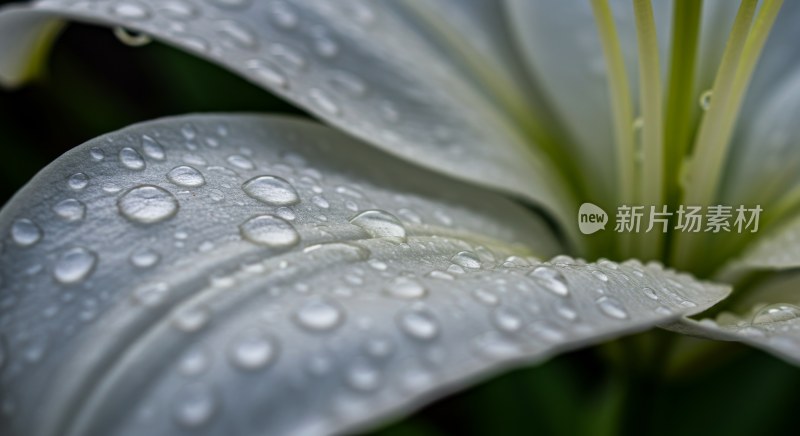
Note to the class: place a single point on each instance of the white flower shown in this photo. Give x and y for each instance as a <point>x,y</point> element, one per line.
<point>243,274</point>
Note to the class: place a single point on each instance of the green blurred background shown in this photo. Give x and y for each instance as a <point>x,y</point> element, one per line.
<point>94,84</point>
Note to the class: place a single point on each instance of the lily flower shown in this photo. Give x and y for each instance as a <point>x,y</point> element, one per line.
<point>259,274</point>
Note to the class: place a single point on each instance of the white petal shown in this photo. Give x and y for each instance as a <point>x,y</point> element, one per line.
<point>254,275</point>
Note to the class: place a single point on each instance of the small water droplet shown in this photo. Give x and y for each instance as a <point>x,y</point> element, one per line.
<point>130,10</point>
<point>192,318</point>
<point>380,224</point>
<point>287,58</point>
<point>253,350</point>
<point>240,161</point>
<point>552,280</point>
<point>144,258</point>
<point>268,72</point>
<point>420,324</point>
<point>131,159</point>
<point>320,202</point>
<point>74,265</point>
<point>319,315</point>
<point>507,320</point>
<point>466,259</point>
<point>600,275</point>
<point>78,181</point>
<point>152,148</point>
<point>650,293</point>
<point>151,295</point>
<point>271,190</point>
<point>705,99</point>
<point>25,232</point>
<point>194,363</point>
<point>236,34</point>
<point>612,307</point>
<point>70,210</point>
<point>776,313</point>
<point>347,84</point>
<point>364,378</point>
<point>147,204</point>
<point>97,154</point>
<point>323,101</point>
<point>283,16</point>
<point>270,231</point>
<point>129,38</point>
<point>195,406</point>
<point>186,176</point>
<point>405,288</point>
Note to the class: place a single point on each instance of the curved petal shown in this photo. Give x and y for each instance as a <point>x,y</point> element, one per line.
<point>246,274</point>
<point>361,66</point>
<point>764,161</point>
<point>563,51</point>
<point>776,250</point>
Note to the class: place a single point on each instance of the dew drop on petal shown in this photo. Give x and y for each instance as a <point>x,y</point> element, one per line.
<point>319,315</point>
<point>776,313</point>
<point>74,265</point>
<point>466,259</point>
<point>271,190</point>
<point>186,176</point>
<point>405,288</point>
<point>252,350</point>
<point>25,232</point>
<point>419,324</point>
<point>131,159</point>
<point>380,224</point>
<point>612,307</point>
<point>551,279</point>
<point>147,204</point>
<point>195,406</point>
<point>269,231</point>
<point>70,210</point>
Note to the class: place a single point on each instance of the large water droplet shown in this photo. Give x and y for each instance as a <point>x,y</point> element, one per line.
<point>466,259</point>
<point>253,350</point>
<point>131,159</point>
<point>147,204</point>
<point>776,313</point>
<point>269,231</point>
<point>380,224</point>
<point>74,265</point>
<point>405,288</point>
<point>195,406</point>
<point>70,210</point>
<point>420,324</point>
<point>186,176</point>
<point>25,232</point>
<point>552,280</point>
<point>319,315</point>
<point>612,307</point>
<point>271,190</point>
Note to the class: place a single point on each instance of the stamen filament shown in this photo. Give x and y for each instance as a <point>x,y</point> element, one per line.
<point>652,171</point>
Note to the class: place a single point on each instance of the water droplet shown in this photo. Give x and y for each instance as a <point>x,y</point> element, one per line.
<point>776,313</point>
<point>324,101</point>
<point>130,10</point>
<point>650,293</point>
<point>319,315</point>
<point>389,112</point>
<point>705,99</point>
<point>237,35</point>
<point>186,176</point>
<point>151,294</point>
<point>271,190</point>
<point>287,58</point>
<point>132,39</point>
<point>552,280</point>
<point>152,148</point>
<point>405,288</point>
<point>325,46</point>
<point>267,72</point>
<point>178,9</point>
<point>195,406</point>
<point>486,297</point>
<point>240,161</point>
<point>612,307</point>
<point>507,320</point>
<point>348,84</point>
<point>74,265</point>
<point>320,202</point>
<point>600,275</point>
<point>97,154</point>
<point>25,232</point>
<point>195,362</point>
<point>270,231</point>
<point>380,224</point>
<point>147,204</point>
<point>131,159</point>
<point>144,258</point>
<point>283,16</point>
<point>192,318</point>
<point>466,259</point>
<point>78,181</point>
<point>420,324</point>
<point>364,378</point>
<point>70,210</point>
<point>253,350</point>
